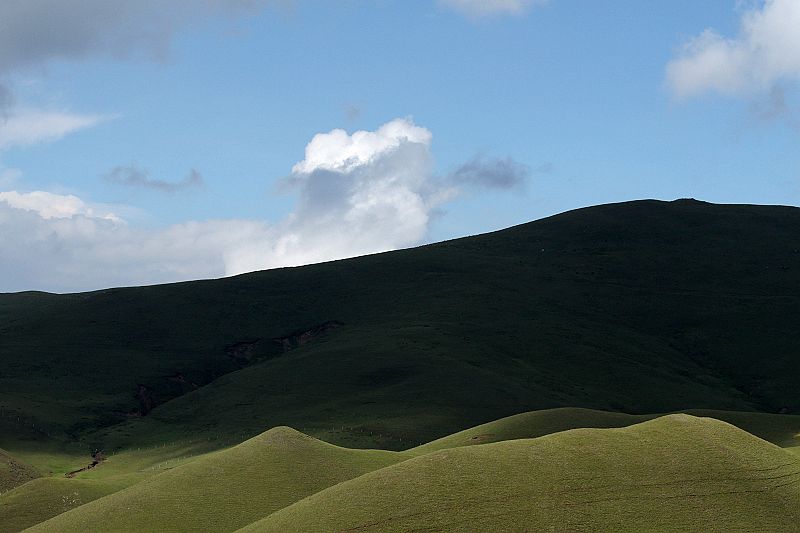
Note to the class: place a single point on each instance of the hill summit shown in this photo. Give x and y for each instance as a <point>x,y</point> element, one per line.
<point>638,307</point>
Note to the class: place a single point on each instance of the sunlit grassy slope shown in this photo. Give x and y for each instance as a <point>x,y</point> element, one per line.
<point>224,490</point>
<point>228,489</point>
<point>54,493</point>
<point>676,473</point>
<point>637,307</point>
<point>783,430</point>
<point>43,498</point>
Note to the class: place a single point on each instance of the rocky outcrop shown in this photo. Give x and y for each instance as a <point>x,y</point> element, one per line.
<point>244,351</point>
<point>300,338</point>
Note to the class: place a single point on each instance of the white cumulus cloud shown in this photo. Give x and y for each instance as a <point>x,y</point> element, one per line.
<point>337,150</point>
<point>766,52</point>
<point>357,193</point>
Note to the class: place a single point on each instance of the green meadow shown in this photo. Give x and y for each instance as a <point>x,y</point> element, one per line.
<point>670,473</point>
<point>626,367</point>
<point>676,473</point>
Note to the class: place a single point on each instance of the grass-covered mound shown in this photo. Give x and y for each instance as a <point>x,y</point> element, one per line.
<point>783,430</point>
<point>225,490</point>
<point>183,487</point>
<point>14,472</point>
<point>66,483</point>
<point>675,473</point>
<point>639,307</point>
<point>43,498</point>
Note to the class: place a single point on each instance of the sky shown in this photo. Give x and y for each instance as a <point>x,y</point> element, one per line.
<point>148,142</point>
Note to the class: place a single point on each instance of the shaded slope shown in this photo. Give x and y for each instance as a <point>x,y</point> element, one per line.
<point>227,489</point>
<point>676,473</point>
<point>638,307</point>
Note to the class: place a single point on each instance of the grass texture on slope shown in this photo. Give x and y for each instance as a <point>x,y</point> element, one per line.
<point>225,490</point>
<point>43,498</point>
<point>54,493</point>
<point>39,501</point>
<point>14,472</point>
<point>782,430</point>
<point>675,473</point>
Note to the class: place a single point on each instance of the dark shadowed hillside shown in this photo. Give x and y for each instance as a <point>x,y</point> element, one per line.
<point>638,307</point>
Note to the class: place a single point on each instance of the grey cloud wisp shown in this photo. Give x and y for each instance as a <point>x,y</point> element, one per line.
<point>133,176</point>
<point>6,101</point>
<point>492,173</point>
<point>36,31</point>
<point>482,8</point>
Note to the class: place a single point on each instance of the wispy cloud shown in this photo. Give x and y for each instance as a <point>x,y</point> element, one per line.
<point>493,173</point>
<point>777,105</point>
<point>133,176</point>
<point>26,127</point>
<point>482,8</point>
<point>50,206</point>
<point>37,32</point>
<point>6,102</point>
<point>33,32</point>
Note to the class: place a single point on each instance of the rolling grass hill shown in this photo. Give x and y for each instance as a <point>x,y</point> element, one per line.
<point>65,484</point>
<point>676,473</point>
<point>228,489</point>
<point>637,307</point>
<point>43,498</point>
<point>181,488</point>
<point>782,430</point>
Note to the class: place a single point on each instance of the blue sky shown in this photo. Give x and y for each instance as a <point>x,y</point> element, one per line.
<point>140,144</point>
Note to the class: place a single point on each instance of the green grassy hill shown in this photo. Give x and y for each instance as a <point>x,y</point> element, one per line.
<point>44,498</point>
<point>183,488</point>
<point>637,307</point>
<point>676,473</point>
<point>55,493</point>
<point>225,490</point>
<point>782,430</point>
